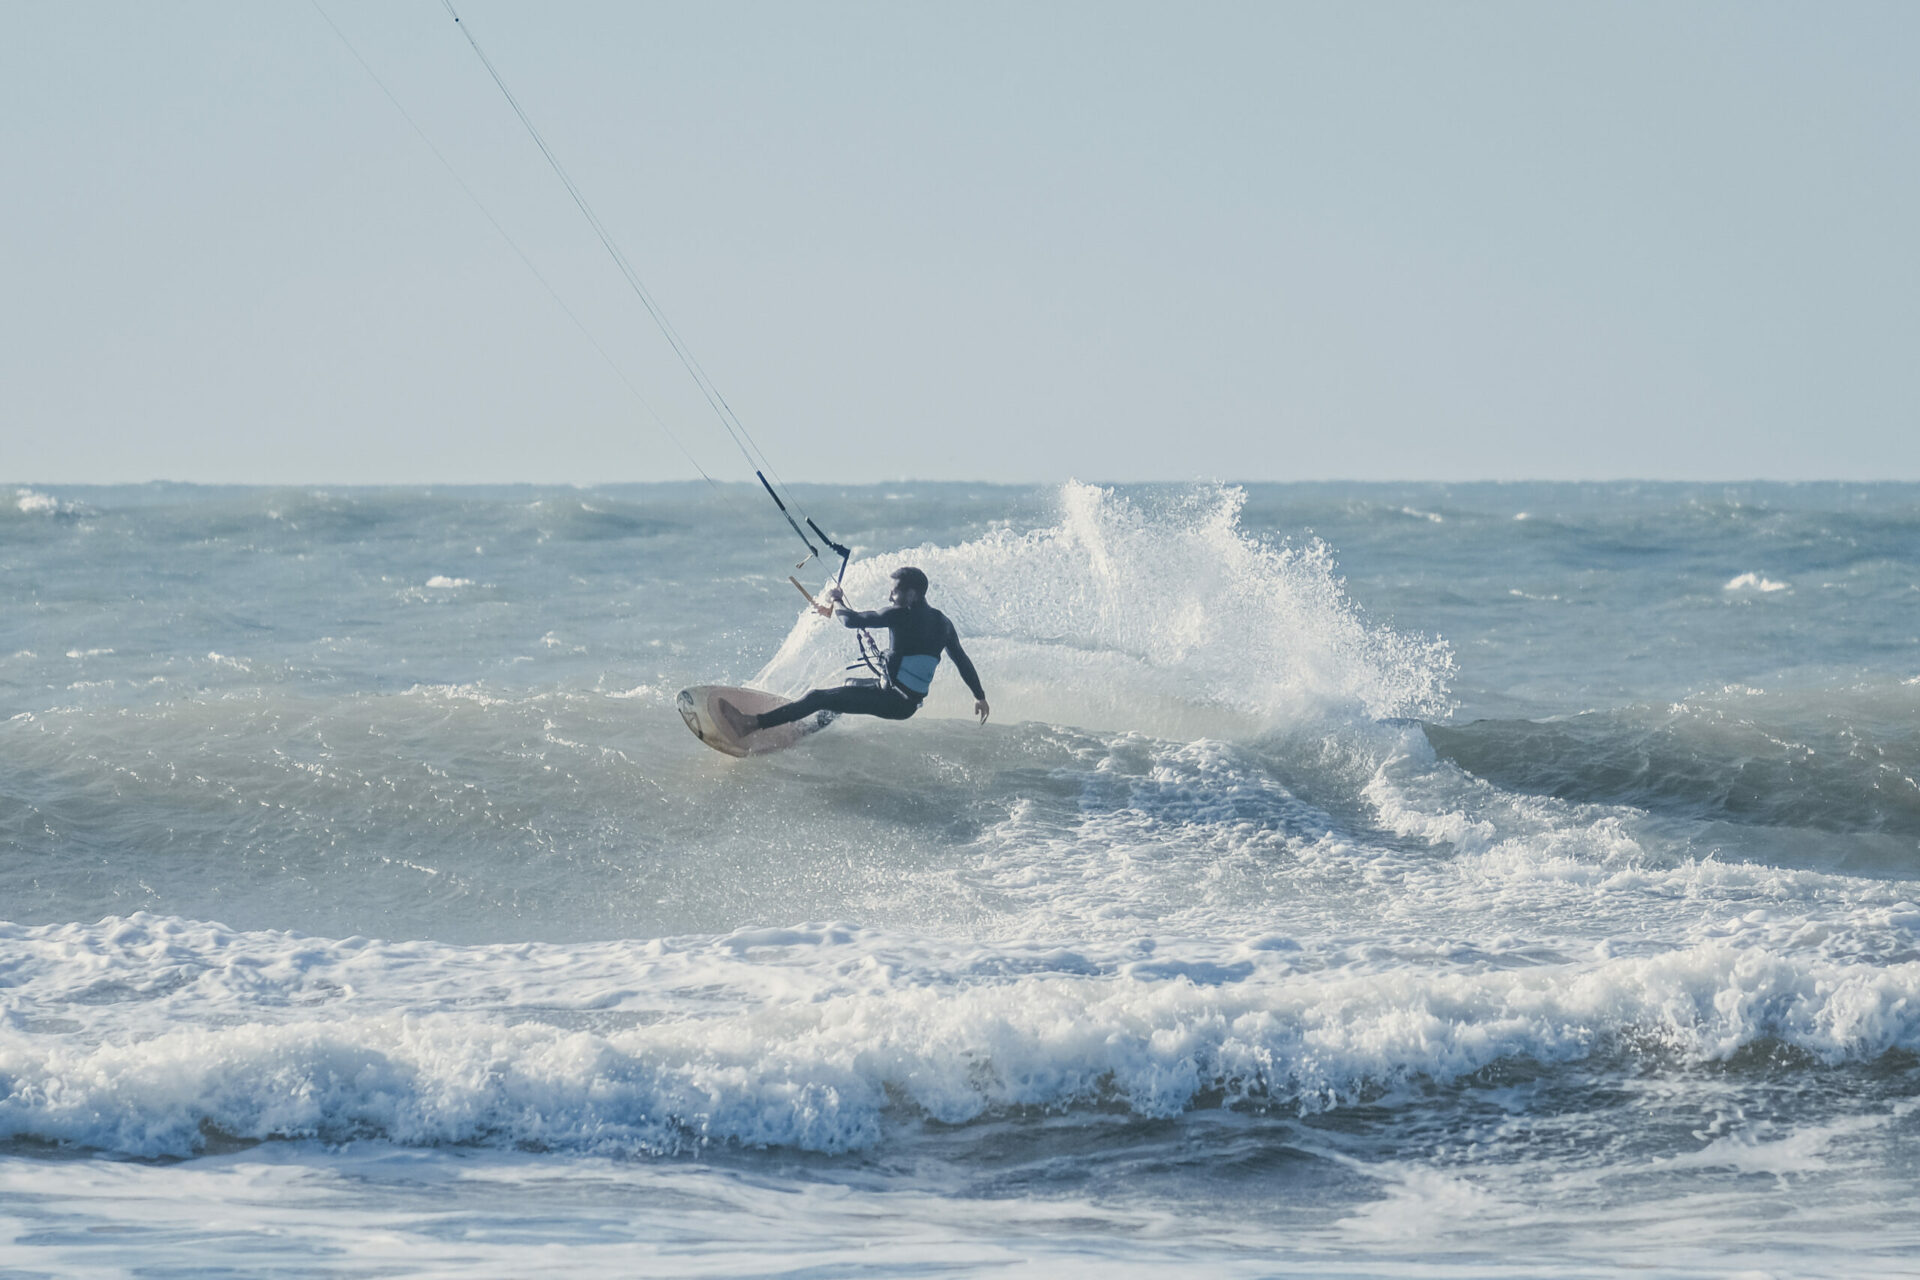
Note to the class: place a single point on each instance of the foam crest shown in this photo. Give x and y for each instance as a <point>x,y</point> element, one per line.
<point>1159,614</point>
<point>845,1037</point>
<point>1755,582</point>
<point>32,502</point>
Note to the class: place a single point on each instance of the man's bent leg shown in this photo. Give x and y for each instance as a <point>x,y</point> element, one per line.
<point>792,711</point>
<point>851,700</point>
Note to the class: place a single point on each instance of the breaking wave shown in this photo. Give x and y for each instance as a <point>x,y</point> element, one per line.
<point>870,1032</point>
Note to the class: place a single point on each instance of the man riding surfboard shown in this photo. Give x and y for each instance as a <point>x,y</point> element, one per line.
<point>920,634</point>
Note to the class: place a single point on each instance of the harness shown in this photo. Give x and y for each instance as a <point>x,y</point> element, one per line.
<point>915,673</point>
<point>911,681</point>
<point>873,660</point>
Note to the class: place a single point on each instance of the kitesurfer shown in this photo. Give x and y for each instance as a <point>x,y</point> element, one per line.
<point>920,634</point>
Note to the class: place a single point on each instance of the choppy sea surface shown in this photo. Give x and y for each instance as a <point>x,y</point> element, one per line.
<point>1354,880</point>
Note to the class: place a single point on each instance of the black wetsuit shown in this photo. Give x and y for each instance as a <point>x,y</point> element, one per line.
<point>918,631</point>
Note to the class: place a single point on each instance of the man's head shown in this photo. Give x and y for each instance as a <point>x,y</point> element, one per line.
<point>909,586</point>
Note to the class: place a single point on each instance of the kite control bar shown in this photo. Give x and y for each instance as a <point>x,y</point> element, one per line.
<point>872,657</point>
<point>824,610</point>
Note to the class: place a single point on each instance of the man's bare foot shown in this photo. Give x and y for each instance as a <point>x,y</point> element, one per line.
<point>733,720</point>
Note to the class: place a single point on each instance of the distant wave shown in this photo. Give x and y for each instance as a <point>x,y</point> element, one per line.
<point>1756,582</point>
<point>1842,760</point>
<point>32,502</point>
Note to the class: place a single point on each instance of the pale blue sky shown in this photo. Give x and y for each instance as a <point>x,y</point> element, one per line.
<point>968,241</point>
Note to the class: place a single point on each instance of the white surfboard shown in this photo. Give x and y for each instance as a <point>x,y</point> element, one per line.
<point>696,708</point>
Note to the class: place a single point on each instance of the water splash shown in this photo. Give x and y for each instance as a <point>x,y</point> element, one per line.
<point>1160,614</point>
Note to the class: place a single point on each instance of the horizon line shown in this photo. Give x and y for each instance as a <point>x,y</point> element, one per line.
<point>930,480</point>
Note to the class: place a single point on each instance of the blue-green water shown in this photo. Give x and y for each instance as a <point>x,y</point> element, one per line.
<point>1353,879</point>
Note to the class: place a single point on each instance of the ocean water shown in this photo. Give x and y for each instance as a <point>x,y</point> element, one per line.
<point>1354,880</point>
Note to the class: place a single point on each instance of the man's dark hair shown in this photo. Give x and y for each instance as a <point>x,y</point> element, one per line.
<point>908,576</point>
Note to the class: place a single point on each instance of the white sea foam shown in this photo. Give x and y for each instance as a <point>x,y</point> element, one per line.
<point>364,1209</point>
<point>642,690</point>
<point>473,693</point>
<point>1755,582</point>
<point>34,503</point>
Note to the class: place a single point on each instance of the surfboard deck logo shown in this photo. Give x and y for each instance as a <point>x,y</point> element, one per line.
<point>697,709</point>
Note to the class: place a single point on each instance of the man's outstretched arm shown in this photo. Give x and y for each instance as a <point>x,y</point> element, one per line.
<point>964,665</point>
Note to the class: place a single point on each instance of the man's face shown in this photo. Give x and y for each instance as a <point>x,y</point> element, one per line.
<point>903,595</point>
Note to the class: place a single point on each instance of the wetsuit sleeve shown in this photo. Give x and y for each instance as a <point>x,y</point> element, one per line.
<point>963,664</point>
<point>870,621</point>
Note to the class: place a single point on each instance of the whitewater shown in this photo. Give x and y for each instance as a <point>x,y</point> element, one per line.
<point>1354,880</point>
